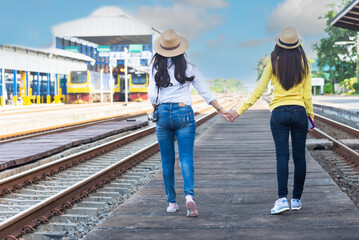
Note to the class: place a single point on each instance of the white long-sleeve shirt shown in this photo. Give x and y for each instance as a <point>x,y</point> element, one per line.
<point>177,92</point>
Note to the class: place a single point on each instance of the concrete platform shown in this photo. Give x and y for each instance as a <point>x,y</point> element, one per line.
<point>350,103</point>
<point>315,144</point>
<point>19,119</point>
<point>235,187</point>
<point>41,117</point>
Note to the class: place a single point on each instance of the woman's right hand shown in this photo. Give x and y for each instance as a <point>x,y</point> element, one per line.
<point>230,115</point>
<point>225,114</point>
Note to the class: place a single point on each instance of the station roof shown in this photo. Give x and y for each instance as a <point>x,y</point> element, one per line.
<point>106,26</point>
<point>348,18</point>
<point>50,60</point>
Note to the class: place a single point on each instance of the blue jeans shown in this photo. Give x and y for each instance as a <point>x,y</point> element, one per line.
<point>291,118</point>
<point>176,121</point>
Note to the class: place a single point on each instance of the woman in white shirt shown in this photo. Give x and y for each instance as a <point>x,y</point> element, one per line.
<point>169,92</point>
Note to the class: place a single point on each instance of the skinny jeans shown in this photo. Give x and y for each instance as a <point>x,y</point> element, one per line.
<point>176,121</point>
<point>293,119</point>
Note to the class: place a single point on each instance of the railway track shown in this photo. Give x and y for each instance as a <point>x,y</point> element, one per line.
<point>342,162</point>
<point>338,146</point>
<point>31,198</point>
<point>67,142</point>
<point>72,126</point>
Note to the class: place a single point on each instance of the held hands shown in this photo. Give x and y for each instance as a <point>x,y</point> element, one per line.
<point>230,116</point>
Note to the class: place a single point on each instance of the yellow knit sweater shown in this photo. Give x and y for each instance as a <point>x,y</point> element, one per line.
<point>300,94</point>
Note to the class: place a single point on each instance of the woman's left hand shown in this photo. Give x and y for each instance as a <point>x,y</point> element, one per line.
<point>225,114</point>
<point>230,115</point>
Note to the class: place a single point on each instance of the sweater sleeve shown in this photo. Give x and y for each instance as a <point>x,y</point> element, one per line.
<point>257,93</point>
<point>307,94</point>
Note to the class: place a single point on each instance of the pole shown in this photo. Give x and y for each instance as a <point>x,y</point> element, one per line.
<point>111,84</point>
<point>101,84</point>
<point>2,89</point>
<point>357,65</point>
<point>38,88</point>
<point>48,88</point>
<point>126,77</point>
<point>15,88</point>
<point>27,87</point>
<point>3,86</point>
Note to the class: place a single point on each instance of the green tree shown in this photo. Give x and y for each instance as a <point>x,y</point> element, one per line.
<point>328,88</point>
<point>261,65</point>
<point>220,85</point>
<point>339,58</point>
<point>318,74</point>
<point>356,87</point>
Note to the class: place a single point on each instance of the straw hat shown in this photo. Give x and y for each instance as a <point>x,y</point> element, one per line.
<point>288,38</point>
<point>170,44</point>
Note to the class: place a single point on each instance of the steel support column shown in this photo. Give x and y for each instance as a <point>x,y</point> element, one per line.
<point>48,89</point>
<point>26,100</point>
<point>15,88</point>
<point>38,88</point>
<point>2,80</point>
<point>57,88</point>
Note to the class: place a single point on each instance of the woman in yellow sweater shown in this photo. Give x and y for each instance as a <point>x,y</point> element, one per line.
<point>292,102</point>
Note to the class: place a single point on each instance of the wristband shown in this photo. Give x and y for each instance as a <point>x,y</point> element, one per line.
<point>220,108</point>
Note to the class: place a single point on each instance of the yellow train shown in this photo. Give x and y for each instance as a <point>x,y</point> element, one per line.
<point>88,87</point>
<point>137,86</point>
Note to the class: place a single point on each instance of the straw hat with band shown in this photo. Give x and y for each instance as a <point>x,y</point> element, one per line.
<point>288,39</point>
<point>170,44</point>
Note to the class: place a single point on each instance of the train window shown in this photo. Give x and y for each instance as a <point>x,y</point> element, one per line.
<point>79,77</point>
<point>138,78</point>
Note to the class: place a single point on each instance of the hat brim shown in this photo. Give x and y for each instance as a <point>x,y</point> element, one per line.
<point>184,44</point>
<point>287,47</point>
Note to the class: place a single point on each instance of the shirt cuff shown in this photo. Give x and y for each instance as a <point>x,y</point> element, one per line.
<point>209,100</point>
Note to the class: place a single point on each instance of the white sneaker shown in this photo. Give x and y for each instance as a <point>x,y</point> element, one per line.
<point>191,207</point>
<point>281,205</point>
<point>172,207</point>
<point>295,204</point>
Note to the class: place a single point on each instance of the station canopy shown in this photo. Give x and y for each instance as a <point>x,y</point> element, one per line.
<point>348,18</point>
<point>106,26</point>
<point>42,60</point>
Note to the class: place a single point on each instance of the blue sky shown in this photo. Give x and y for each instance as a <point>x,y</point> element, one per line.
<point>227,37</point>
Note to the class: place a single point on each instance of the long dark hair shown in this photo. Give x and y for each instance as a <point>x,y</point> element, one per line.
<point>162,77</point>
<point>290,66</point>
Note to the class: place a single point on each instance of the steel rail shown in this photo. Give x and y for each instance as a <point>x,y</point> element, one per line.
<point>71,126</point>
<point>339,147</point>
<point>343,127</point>
<point>33,176</point>
<point>25,221</point>
<point>66,127</point>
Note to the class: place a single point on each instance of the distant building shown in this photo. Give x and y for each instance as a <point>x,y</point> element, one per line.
<point>106,32</point>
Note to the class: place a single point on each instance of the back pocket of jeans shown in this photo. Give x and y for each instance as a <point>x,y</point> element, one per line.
<point>301,116</point>
<point>160,119</point>
<point>277,116</point>
<point>185,118</point>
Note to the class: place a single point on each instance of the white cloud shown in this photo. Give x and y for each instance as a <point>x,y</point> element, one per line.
<point>188,21</point>
<point>252,43</point>
<point>205,3</point>
<point>217,42</point>
<point>301,14</point>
